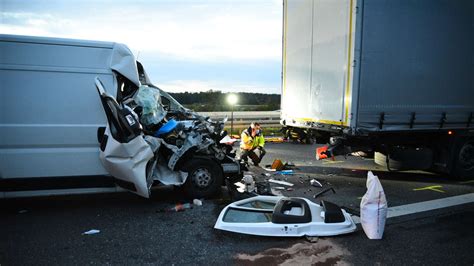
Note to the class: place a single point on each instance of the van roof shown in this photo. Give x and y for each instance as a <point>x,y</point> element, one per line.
<point>53,40</point>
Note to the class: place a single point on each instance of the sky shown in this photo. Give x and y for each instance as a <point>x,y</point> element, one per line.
<point>184,45</point>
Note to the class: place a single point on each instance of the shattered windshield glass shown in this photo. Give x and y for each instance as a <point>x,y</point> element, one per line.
<point>170,102</point>
<point>259,205</point>
<point>247,216</point>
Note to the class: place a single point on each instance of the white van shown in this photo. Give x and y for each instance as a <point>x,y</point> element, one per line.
<point>57,96</point>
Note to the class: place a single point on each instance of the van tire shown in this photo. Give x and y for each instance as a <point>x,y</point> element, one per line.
<point>405,159</point>
<point>205,178</point>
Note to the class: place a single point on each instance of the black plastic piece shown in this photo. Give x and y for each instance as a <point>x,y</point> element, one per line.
<point>412,119</point>
<point>332,212</point>
<point>442,121</point>
<point>285,204</point>
<point>125,184</point>
<point>324,191</point>
<point>100,134</point>
<point>103,142</point>
<point>469,121</point>
<point>381,120</point>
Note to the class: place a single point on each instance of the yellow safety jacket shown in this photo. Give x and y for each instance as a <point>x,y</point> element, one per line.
<point>246,140</point>
<point>249,143</point>
<point>258,141</point>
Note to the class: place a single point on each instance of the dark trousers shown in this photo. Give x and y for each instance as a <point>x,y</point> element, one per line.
<point>255,155</point>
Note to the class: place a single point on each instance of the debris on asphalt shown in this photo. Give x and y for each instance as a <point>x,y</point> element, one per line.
<point>22,211</point>
<point>227,140</point>
<point>197,202</point>
<point>289,166</point>
<point>373,208</point>
<point>263,188</point>
<point>249,183</point>
<point>277,165</point>
<point>312,239</point>
<point>290,217</point>
<point>285,172</point>
<point>324,192</point>
<point>178,207</point>
<point>279,188</point>
<point>91,232</point>
<point>284,183</point>
<point>289,189</point>
<point>315,183</point>
<point>240,187</point>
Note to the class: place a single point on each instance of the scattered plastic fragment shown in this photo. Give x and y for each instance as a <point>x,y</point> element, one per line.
<point>321,153</point>
<point>179,207</point>
<point>91,232</point>
<point>277,165</point>
<point>289,189</point>
<point>227,140</point>
<point>324,191</point>
<point>240,187</point>
<point>197,202</point>
<point>286,172</point>
<point>315,183</point>
<point>249,183</point>
<point>280,182</point>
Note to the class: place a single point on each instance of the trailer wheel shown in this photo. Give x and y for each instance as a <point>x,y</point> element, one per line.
<point>464,159</point>
<point>204,178</point>
<point>405,158</point>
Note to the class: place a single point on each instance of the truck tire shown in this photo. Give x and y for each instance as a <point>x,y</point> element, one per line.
<point>464,159</point>
<point>405,159</point>
<point>204,179</point>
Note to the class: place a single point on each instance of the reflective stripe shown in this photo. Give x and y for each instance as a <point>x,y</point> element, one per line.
<point>347,99</point>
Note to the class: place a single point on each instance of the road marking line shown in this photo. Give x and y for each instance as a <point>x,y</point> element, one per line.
<point>332,162</point>
<point>426,206</point>
<point>434,188</point>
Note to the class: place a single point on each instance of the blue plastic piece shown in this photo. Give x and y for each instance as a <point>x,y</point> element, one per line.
<point>166,128</point>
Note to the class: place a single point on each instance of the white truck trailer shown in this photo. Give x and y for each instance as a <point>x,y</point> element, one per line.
<point>394,77</point>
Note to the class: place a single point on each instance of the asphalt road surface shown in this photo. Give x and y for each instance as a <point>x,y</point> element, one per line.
<point>40,231</point>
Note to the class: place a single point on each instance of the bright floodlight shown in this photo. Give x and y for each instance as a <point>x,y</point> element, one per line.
<point>232,99</point>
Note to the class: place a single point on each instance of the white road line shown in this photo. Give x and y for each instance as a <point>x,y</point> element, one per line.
<point>426,206</point>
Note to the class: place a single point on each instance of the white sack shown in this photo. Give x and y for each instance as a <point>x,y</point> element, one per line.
<point>373,208</point>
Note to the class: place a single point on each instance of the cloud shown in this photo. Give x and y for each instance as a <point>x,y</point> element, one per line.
<point>185,45</point>
<point>204,31</point>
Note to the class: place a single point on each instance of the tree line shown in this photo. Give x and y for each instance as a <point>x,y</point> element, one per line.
<point>214,101</point>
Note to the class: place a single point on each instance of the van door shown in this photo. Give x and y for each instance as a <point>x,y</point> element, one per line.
<point>123,151</point>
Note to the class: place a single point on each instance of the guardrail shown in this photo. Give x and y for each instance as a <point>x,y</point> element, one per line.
<point>243,119</point>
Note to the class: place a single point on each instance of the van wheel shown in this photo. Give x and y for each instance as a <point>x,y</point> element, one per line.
<point>405,158</point>
<point>204,178</point>
<point>464,163</point>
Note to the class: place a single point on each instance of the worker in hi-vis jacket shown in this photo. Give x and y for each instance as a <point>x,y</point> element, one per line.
<point>251,144</point>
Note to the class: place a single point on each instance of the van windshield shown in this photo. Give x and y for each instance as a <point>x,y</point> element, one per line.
<point>169,103</point>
